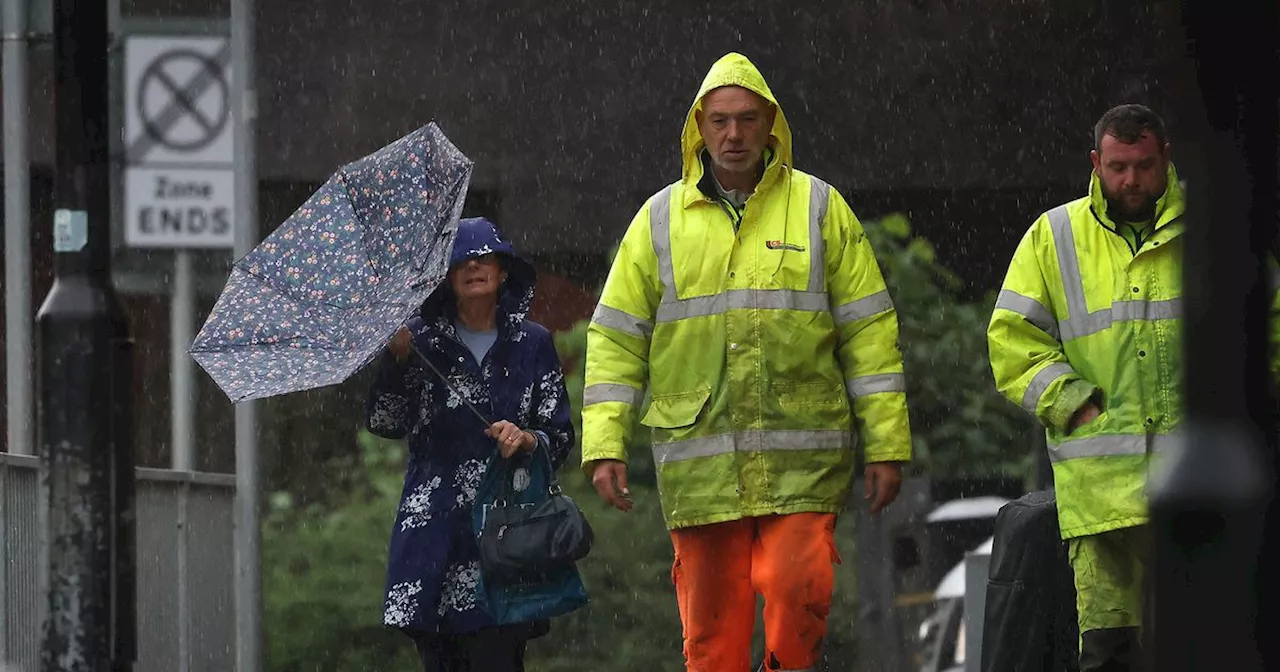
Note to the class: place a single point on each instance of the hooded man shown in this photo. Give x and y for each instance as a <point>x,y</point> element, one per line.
<point>1086,336</point>
<point>747,300</point>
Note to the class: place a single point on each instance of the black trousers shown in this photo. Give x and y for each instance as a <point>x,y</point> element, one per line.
<point>497,649</point>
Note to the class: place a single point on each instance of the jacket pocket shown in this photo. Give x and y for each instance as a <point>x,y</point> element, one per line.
<point>672,411</point>
<point>810,394</point>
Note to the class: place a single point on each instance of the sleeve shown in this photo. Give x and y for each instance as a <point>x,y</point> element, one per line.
<point>392,398</point>
<point>1027,359</point>
<point>553,425</point>
<point>618,344</point>
<point>867,336</point>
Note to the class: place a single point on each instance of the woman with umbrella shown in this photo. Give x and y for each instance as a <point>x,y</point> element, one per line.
<point>472,331</point>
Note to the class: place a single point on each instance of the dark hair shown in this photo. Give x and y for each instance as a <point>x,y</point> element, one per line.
<point>1127,123</point>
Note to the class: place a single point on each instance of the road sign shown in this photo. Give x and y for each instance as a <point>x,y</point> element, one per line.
<point>179,188</point>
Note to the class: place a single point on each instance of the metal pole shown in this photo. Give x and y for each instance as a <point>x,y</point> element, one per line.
<point>17,231</point>
<point>182,318</point>
<point>85,372</point>
<point>977,568</point>
<point>17,250</point>
<point>248,590</point>
<point>1209,500</point>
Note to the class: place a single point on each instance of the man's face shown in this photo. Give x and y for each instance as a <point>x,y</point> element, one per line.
<point>1132,174</point>
<point>735,124</point>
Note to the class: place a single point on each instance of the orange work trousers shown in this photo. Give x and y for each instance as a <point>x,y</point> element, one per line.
<point>720,568</point>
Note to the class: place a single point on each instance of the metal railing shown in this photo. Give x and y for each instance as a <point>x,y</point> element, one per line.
<point>185,568</point>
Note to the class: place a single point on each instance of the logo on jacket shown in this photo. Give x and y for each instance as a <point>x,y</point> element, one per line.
<point>779,245</point>
<point>521,479</point>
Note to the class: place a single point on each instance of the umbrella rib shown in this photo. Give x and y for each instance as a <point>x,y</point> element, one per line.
<point>364,241</point>
<point>449,384</point>
<point>235,346</point>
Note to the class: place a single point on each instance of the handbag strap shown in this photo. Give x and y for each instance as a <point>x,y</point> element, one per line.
<point>507,490</point>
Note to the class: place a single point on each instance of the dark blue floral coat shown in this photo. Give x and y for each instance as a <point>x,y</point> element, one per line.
<point>433,567</point>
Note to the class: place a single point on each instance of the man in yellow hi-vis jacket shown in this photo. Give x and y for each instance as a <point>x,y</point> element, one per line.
<point>746,298</point>
<point>1086,335</point>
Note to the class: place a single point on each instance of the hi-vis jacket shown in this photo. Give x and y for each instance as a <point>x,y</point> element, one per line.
<point>754,345</point>
<point>1090,311</point>
<point>1086,311</point>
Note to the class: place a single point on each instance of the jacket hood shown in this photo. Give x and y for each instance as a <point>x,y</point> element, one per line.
<point>477,237</point>
<point>1170,206</point>
<point>733,69</point>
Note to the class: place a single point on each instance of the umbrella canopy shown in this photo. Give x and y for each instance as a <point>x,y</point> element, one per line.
<point>319,298</point>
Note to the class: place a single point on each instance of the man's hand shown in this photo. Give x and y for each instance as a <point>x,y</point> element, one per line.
<point>399,345</point>
<point>884,480</point>
<point>610,480</point>
<point>511,438</point>
<point>1087,414</point>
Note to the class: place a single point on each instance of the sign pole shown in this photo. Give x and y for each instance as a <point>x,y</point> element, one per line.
<point>17,231</point>
<point>182,318</point>
<point>248,534</point>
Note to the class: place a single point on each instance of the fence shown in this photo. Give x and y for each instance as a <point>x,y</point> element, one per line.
<point>185,565</point>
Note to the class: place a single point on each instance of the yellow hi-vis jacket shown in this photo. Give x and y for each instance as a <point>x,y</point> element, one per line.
<point>1087,311</point>
<point>754,345</point>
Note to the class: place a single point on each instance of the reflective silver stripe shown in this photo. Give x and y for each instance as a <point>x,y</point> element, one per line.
<point>1068,263</point>
<point>875,384</point>
<point>1121,311</point>
<point>1041,381</point>
<point>1124,311</point>
<point>738,299</point>
<point>602,392</point>
<point>621,321</point>
<point>1080,322</point>
<point>819,194</point>
<point>671,309</point>
<point>1033,310</point>
<point>1113,444</point>
<point>865,307</point>
<point>752,441</point>
<point>1085,325</point>
<point>660,233</point>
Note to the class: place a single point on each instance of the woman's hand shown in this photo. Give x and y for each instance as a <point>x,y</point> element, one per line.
<point>511,438</point>
<point>400,343</point>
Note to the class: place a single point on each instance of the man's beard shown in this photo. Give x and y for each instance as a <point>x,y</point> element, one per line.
<point>1145,211</point>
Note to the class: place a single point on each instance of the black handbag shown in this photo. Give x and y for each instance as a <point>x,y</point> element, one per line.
<point>523,535</point>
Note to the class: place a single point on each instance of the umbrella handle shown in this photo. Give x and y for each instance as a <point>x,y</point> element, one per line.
<point>463,397</point>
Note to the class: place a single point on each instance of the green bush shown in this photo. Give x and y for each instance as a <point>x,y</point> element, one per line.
<point>960,424</point>
<point>323,571</point>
